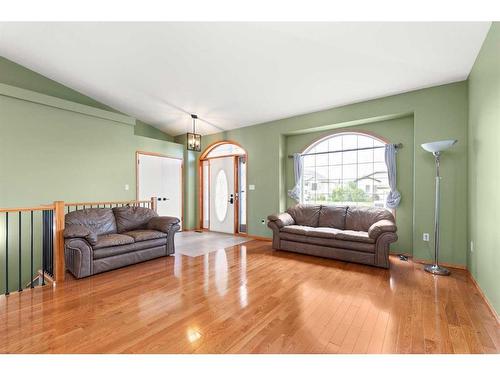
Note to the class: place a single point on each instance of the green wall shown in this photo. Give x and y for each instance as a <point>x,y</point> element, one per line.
<point>484,172</point>
<point>395,131</point>
<point>144,130</point>
<point>190,187</point>
<point>438,112</point>
<point>16,75</point>
<point>49,154</point>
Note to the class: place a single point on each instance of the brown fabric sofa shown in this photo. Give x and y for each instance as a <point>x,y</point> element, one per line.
<point>353,234</point>
<point>102,239</point>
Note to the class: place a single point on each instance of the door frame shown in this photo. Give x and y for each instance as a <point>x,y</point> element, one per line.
<point>137,154</point>
<point>203,157</point>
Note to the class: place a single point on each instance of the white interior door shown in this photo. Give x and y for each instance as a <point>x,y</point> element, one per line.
<point>222,198</point>
<point>161,177</point>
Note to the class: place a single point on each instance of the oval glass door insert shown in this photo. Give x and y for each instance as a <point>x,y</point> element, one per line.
<point>221,195</point>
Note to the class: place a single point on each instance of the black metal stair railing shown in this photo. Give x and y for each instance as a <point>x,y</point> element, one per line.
<point>29,247</point>
<point>48,244</point>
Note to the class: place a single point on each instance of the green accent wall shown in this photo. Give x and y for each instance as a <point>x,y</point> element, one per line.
<point>49,154</point>
<point>398,130</point>
<point>438,113</point>
<point>145,130</point>
<point>484,171</point>
<point>17,75</point>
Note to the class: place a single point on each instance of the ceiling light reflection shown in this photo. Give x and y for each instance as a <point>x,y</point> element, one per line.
<point>193,335</point>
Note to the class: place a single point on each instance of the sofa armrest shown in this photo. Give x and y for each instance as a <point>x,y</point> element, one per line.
<point>163,223</point>
<point>380,227</point>
<point>78,256</point>
<point>382,248</point>
<point>80,231</point>
<point>281,220</point>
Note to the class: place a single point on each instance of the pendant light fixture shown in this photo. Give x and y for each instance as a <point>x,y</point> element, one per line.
<point>194,139</point>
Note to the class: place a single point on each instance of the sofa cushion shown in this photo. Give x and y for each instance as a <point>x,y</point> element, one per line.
<point>113,239</point>
<point>356,236</point>
<point>329,242</point>
<point>98,220</point>
<point>145,234</point>
<point>362,218</point>
<point>305,214</point>
<point>124,249</point>
<point>311,231</point>
<point>130,218</point>
<point>296,229</point>
<point>332,216</point>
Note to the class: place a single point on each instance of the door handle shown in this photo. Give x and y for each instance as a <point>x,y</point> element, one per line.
<point>166,199</point>
<point>231,200</point>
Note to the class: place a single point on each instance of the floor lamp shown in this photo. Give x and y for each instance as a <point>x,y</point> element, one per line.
<point>436,148</point>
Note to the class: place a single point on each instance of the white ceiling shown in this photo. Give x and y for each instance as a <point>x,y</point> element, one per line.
<point>239,74</point>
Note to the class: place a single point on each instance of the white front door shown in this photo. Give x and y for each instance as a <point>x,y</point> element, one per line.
<point>161,177</point>
<point>222,194</point>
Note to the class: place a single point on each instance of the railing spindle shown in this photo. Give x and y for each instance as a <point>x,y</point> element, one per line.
<point>6,253</point>
<point>52,245</point>
<point>49,260</point>
<point>31,249</point>
<point>20,287</point>
<point>44,246</point>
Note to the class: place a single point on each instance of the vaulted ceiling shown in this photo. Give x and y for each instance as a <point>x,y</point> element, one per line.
<point>239,74</point>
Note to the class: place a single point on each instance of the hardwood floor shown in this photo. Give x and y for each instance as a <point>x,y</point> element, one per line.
<point>250,299</point>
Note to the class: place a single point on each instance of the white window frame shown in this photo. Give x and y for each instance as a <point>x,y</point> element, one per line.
<point>377,142</point>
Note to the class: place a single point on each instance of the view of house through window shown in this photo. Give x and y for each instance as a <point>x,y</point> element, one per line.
<point>345,168</point>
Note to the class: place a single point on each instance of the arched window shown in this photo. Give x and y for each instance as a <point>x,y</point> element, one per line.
<point>345,168</point>
<point>224,149</point>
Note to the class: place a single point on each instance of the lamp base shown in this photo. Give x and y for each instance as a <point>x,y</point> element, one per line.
<point>437,270</point>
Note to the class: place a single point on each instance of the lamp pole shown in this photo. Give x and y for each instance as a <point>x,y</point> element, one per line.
<point>435,268</point>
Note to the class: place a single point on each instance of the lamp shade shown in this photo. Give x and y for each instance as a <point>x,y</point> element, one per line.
<point>438,146</point>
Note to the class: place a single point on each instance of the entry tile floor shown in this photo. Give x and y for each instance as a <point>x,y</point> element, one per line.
<point>193,244</point>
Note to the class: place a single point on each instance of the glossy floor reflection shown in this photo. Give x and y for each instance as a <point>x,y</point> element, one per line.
<point>251,299</point>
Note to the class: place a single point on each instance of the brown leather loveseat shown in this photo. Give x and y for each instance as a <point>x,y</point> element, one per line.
<point>102,239</point>
<point>353,234</point>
